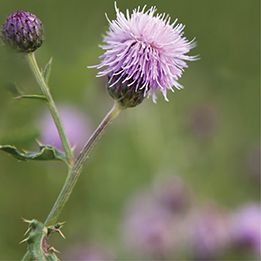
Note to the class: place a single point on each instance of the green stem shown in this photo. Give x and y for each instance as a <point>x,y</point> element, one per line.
<point>74,166</point>
<point>75,171</point>
<point>53,110</point>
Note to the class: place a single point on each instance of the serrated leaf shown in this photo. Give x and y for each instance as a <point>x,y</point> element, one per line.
<point>47,70</point>
<point>45,153</point>
<point>31,96</point>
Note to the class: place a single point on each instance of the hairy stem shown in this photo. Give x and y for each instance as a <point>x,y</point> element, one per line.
<point>51,105</point>
<point>75,170</point>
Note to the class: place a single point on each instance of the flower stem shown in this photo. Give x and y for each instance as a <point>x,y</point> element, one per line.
<point>51,105</point>
<point>75,170</point>
<point>74,167</point>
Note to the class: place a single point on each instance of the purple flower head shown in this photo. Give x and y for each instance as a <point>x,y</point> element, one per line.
<point>76,125</point>
<point>147,228</point>
<point>172,194</point>
<point>144,52</point>
<point>208,233</point>
<point>23,31</point>
<point>246,227</point>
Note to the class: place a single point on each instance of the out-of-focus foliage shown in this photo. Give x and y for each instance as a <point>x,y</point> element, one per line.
<point>208,134</point>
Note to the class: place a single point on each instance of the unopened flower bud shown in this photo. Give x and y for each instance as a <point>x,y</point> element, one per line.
<point>23,31</point>
<point>126,96</point>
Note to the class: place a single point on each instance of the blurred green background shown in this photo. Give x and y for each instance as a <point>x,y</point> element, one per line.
<point>205,134</point>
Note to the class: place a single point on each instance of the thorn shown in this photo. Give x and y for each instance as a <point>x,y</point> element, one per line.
<point>39,143</point>
<point>27,231</point>
<point>54,250</point>
<point>61,224</point>
<point>61,233</point>
<point>24,240</point>
<point>27,220</point>
<point>57,228</point>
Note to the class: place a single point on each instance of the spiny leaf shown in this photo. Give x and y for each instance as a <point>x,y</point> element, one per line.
<point>37,242</point>
<point>31,96</point>
<point>47,70</point>
<point>45,153</point>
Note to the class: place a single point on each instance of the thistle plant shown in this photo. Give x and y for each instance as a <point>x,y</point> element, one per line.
<point>144,53</point>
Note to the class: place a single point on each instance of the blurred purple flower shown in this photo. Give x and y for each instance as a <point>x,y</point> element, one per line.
<point>207,233</point>
<point>147,228</point>
<point>146,51</point>
<point>172,194</point>
<point>246,227</point>
<point>88,253</point>
<point>76,127</point>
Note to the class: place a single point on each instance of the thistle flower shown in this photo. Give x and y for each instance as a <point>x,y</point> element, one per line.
<point>76,127</point>
<point>173,194</point>
<point>144,52</point>
<point>207,232</point>
<point>147,227</point>
<point>23,31</point>
<point>246,227</point>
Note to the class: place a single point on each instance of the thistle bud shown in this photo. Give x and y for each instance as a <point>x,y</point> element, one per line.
<point>23,31</point>
<point>125,95</point>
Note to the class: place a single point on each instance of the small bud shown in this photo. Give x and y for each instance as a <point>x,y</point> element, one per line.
<point>22,31</point>
<point>127,96</point>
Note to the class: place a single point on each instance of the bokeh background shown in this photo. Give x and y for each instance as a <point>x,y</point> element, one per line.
<point>163,175</point>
